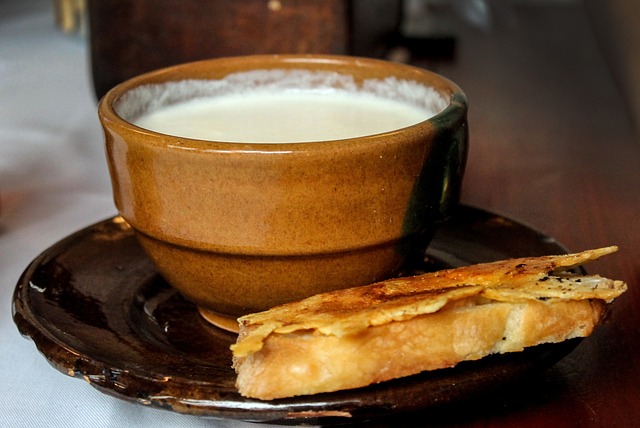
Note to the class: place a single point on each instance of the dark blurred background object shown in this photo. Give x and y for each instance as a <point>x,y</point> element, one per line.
<point>615,23</point>
<point>129,37</point>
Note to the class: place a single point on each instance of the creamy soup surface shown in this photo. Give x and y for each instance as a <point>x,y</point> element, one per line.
<point>283,116</point>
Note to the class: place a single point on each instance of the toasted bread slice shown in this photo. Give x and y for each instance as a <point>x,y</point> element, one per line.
<point>363,335</point>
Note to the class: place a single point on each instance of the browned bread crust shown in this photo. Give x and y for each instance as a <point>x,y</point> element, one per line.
<point>356,337</point>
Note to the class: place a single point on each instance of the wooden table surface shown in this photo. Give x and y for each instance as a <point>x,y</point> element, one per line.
<point>553,145</point>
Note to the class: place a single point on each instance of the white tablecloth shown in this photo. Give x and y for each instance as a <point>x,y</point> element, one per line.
<point>53,181</point>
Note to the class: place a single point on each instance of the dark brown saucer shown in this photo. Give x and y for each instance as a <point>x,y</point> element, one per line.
<point>97,309</point>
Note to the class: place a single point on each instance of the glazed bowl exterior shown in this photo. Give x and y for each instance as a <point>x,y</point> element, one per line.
<point>242,227</point>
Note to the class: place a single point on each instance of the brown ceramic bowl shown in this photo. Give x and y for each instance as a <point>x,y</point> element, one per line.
<point>241,227</point>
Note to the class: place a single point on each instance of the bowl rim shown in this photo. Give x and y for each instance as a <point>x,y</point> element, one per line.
<point>454,111</point>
